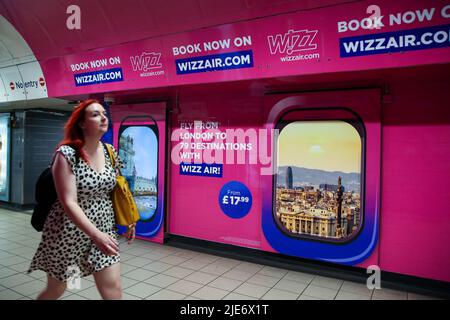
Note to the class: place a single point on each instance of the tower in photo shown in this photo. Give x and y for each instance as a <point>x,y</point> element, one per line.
<point>289,178</point>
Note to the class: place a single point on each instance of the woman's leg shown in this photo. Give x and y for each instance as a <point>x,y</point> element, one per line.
<point>54,290</point>
<point>108,282</point>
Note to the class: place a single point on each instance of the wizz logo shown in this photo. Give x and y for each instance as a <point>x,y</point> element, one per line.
<point>146,61</point>
<point>292,41</point>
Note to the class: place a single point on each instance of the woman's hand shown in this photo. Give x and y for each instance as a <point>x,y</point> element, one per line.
<point>107,244</point>
<point>131,233</point>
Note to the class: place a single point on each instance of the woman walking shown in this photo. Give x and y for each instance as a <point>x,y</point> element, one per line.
<point>79,238</point>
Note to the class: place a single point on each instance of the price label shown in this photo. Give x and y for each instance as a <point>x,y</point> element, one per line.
<point>235,199</point>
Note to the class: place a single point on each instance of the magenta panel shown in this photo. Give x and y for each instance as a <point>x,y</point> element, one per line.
<point>415,220</point>
<point>348,37</point>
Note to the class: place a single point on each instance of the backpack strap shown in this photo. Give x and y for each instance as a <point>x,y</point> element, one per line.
<point>77,158</point>
<point>53,159</point>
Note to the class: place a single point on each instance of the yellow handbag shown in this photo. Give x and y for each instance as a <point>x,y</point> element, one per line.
<point>125,210</point>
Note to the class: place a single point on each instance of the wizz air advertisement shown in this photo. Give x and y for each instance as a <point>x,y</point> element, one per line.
<point>304,188</point>
<point>346,37</point>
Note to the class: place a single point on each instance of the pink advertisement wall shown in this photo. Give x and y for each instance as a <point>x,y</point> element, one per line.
<point>197,204</point>
<point>346,37</point>
<point>415,224</point>
<point>401,48</point>
<point>414,151</point>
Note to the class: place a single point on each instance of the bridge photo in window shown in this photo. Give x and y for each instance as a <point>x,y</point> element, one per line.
<point>138,148</point>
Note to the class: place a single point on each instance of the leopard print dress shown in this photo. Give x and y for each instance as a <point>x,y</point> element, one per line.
<point>65,249</point>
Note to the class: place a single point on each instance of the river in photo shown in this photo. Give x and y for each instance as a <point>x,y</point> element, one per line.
<point>146,206</point>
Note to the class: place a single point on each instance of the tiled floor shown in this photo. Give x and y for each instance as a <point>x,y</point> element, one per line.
<point>153,271</point>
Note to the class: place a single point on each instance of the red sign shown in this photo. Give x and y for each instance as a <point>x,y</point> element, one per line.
<point>41,81</point>
<point>11,85</point>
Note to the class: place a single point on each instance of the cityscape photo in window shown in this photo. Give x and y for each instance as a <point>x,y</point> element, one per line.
<point>138,149</point>
<point>318,185</point>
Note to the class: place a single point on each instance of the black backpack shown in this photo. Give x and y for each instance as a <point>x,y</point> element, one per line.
<point>45,196</point>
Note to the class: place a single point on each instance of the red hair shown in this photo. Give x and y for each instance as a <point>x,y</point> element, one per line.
<point>73,134</point>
